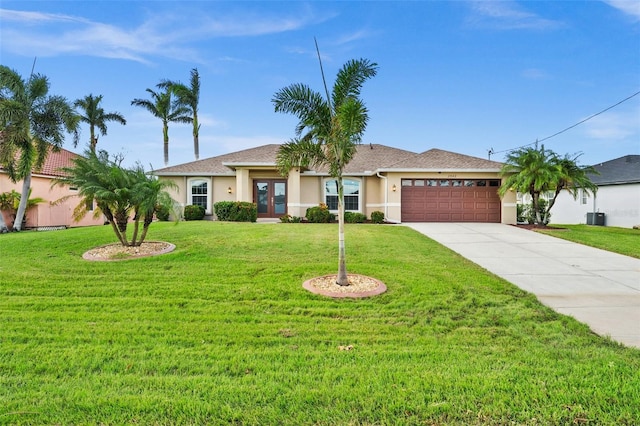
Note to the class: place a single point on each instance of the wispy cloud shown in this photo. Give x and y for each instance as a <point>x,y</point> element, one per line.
<point>45,34</point>
<point>535,74</point>
<point>614,126</point>
<point>507,15</point>
<point>628,7</point>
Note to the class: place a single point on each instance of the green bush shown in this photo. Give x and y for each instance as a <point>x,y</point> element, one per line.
<point>163,213</point>
<point>377,217</point>
<point>236,211</point>
<point>290,219</point>
<point>192,212</point>
<point>529,215</point>
<point>354,217</point>
<point>319,214</point>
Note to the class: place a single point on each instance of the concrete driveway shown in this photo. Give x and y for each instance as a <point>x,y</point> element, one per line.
<point>597,287</point>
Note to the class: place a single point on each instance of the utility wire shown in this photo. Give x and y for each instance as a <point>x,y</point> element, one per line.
<point>491,151</point>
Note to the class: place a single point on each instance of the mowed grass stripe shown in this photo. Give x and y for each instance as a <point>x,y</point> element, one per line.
<point>220,331</point>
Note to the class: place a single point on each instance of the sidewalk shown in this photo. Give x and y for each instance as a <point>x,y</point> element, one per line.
<point>597,287</point>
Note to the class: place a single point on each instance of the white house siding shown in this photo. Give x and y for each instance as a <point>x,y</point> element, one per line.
<point>619,203</point>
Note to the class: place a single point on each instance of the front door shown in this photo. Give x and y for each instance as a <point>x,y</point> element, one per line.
<point>270,196</point>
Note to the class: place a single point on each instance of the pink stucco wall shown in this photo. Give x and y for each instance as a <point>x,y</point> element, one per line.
<point>49,213</point>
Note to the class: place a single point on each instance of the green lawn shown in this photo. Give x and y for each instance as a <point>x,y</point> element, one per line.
<point>221,332</point>
<point>618,240</point>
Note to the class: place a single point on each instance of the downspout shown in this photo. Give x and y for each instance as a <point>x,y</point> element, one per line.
<point>386,194</point>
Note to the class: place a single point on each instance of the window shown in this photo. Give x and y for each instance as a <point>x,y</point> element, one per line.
<point>200,193</point>
<point>431,182</point>
<point>456,182</point>
<point>351,194</point>
<point>407,182</point>
<point>584,196</point>
<point>444,183</point>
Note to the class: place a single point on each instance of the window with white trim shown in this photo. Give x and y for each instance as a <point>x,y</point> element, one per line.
<point>199,193</point>
<point>584,195</point>
<point>351,194</point>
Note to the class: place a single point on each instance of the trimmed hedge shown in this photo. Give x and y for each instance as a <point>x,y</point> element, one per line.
<point>354,217</point>
<point>377,217</point>
<point>236,211</point>
<point>319,214</point>
<point>192,212</point>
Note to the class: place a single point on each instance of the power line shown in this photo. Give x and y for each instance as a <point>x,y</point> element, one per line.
<point>491,151</point>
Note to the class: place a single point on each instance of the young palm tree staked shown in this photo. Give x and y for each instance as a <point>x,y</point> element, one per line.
<point>33,124</point>
<point>188,97</point>
<point>328,132</point>
<point>94,115</point>
<point>166,109</point>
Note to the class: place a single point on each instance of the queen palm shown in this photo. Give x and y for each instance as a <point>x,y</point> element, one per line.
<point>94,115</point>
<point>33,124</point>
<point>162,106</point>
<point>328,132</point>
<point>189,97</point>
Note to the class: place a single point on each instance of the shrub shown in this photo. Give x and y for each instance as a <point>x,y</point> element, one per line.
<point>192,212</point>
<point>354,217</point>
<point>290,219</point>
<point>319,214</point>
<point>529,213</point>
<point>236,211</point>
<point>163,213</point>
<point>377,217</point>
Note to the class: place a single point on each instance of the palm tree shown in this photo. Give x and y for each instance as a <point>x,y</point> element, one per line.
<point>571,177</point>
<point>95,116</point>
<point>118,192</point>
<point>189,97</point>
<point>532,171</point>
<point>328,133</point>
<point>165,109</point>
<point>33,123</point>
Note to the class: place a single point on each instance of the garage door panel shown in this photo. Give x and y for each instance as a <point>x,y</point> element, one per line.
<point>450,204</point>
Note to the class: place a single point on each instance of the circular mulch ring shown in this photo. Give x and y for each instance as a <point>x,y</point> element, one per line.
<point>116,252</point>
<point>359,286</point>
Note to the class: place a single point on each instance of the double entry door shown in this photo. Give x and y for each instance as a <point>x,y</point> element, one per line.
<point>270,195</point>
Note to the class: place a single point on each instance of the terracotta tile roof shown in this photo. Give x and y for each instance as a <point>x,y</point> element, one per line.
<point>438,159</point>
<point>55,161</point>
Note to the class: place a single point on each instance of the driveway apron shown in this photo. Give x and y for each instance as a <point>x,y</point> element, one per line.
<point>596,287</point>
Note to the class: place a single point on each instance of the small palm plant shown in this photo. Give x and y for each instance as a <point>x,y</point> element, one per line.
<point>120,194</point>
<point>328,133</point>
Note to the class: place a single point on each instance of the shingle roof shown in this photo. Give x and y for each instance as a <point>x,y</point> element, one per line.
<point>438,159</point>
<point>620,170</point>
<point>368,159</point>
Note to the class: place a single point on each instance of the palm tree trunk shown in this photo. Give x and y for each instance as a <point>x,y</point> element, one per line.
<point>94,141</point>
<point>22,207</point>
<point>196,138</point>
<point>342,264</point>
<point>165,133</point>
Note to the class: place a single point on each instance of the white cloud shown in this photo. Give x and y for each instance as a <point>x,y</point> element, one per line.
<point>507,15</point>
<point>628,7</point>
<point>614,125</point>
<point>535,74</point>
<point>45,34</point>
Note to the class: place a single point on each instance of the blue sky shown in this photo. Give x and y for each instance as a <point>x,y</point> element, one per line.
<point>464,76</point>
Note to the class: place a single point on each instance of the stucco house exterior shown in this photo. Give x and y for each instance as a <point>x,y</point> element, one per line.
<point>617,202</point>
<point>57,209</point>
<point>434,186</point>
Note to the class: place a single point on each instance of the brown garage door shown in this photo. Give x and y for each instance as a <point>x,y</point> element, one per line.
<point>450,200</point>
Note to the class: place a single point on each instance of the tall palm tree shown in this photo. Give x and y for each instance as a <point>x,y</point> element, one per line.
<point>33,123</point>
<point>189,97</point>
<point>328,132</point>
<point>95,116</point>
<point>162,106</point>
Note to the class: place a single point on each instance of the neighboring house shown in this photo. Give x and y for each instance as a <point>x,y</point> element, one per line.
<point>434,186</point>
<point>617,202</point>
<point>57,209</point>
